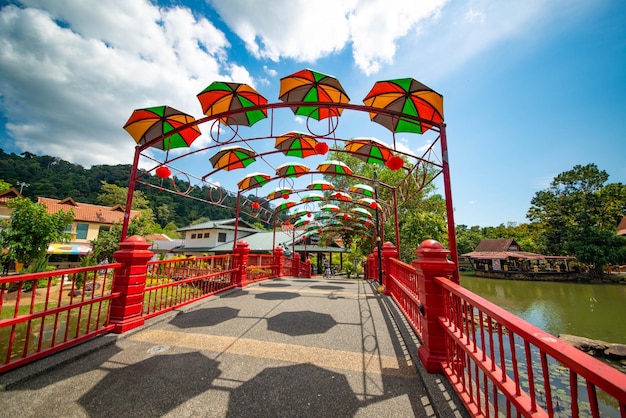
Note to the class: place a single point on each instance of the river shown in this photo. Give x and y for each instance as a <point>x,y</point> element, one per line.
<point>595,311</point>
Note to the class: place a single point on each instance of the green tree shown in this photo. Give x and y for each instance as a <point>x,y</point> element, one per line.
<point>31,229</point>
<point>4,185</point>
<point>108,241</point>
<point>578,212</point>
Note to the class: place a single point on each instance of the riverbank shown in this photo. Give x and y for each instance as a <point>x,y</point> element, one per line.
<point>614,353</point>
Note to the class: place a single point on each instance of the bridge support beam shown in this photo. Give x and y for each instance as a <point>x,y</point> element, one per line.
<point>389,251</point>
<point>129,281</point>
<point>240,263</point>
<point>432,261</point>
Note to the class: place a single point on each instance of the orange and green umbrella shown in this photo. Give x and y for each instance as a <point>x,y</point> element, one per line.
<point>362,212</point>
<point>145,125</point>
<point>370,203</point>
<point>232,158</point>
<point>292,170</point>
<point>233,99</point>
<point>370,150</point>
<point>334,167</point>
<point>410,99</point>
<point>311,197</point>
<point>254,180</point>
<point>344,197</point>
<point>363,189</point>
<point>320,185</point>
<point>279,193</point>
<point>330,208</point>
<point>296,144</point>
<point>285,206</point>
<point>308,86</point>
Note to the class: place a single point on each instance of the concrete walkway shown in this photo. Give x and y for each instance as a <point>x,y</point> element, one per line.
<point>281,348</point>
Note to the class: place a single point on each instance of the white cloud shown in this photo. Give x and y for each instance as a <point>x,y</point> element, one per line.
<point>68,87</point>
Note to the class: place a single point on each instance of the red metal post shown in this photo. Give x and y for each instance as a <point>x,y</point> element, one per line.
<point>389,252</point>
<point>449,207</point>
<point>240,263</point>
<point>278,260</point>
<point>130,281</point>
<point>432,261</point>
<point>129,195</point>
<point>308,268</point>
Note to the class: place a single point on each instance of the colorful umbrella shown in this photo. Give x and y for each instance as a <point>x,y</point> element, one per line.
<point>362,212</point>
<point>292,170</point>
<point>312,226</point>
<point>344,197</point>
<point>221,97</point>
<point>301,222</point>
<point>279,192</point>
<point>145,125</point>
<point>231,158</point>
<point>370,150</point>
<point>363,189</point>
<point>334,167</point>
<point>366,222</point>
<point>320,185</point>
<point>285,206</point>
<point>330,208</point>
<point>253,180</point>
<point>369,202</point>
<point>311,197</point>
<point>296,144</point>
<point>308,86</point>
<point>322,215</point>
<point>408,97</point>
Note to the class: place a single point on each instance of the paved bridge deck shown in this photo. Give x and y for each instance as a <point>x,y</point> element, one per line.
<point>284,347</point>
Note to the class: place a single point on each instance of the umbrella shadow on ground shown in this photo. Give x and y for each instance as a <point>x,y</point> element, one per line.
<point>300,390</point>
<point>325,287</point>
<point>204,317</point>
<point>277,295</point>
<point>57,374</point>
<point>153,386</point>
<point>301,323</point>
<point>233,294</point>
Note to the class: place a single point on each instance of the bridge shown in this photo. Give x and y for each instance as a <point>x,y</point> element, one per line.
<point>244,334</point>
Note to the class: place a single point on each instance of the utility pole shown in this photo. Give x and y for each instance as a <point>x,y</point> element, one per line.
<point>22,185</point>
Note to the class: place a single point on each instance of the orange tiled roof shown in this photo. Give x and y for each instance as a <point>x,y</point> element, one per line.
<point>9,194</point>
<point>86,212</point>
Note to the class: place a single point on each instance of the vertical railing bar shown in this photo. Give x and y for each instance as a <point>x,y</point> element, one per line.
<point>514,364</point>
<point>546,383</point>
<point>593,400</point>
<point>531,377</point>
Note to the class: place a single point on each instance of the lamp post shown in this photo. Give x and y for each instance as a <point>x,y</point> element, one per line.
<point>22,185</point>
<point>378,239</point>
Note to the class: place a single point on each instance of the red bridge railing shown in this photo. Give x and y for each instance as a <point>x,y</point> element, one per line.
<point>499,364</point>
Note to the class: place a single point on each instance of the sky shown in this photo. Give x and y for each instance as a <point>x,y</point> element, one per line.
<point>531,89</point>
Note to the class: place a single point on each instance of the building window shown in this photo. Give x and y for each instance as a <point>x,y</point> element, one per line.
<point>193,236</point>
<point>104,228</point>
<point>207,234</point>
<point>81,231</point>
<point>221,237</point>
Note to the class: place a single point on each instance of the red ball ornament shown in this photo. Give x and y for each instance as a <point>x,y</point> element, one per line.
<point>255,205</point>
<point>308,215</point>
<point>287,223</point>
<point>163,172</point>
<point>395,163</point>
<point>285,195</point>
<point>321,148</point>
<point>373,205</point>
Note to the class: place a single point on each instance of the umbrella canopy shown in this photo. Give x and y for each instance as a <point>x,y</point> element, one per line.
<point>334,167</point>
<point>301,222</point>
<point>285,206</point>
<point>320,185</point>
<point>279,192</point>
<point>310,86</point>
<point>322,215</point>
<point>221,97</point>
<point>292,170</point>
<point>369,202</point>
<point>145,125</point>
<point>370,150</point>
<point>408,97</point>
<point>311,197</point>
<point>231,158</point>
<point>330,208</point>
<point>362,212</point>
<point>344,197</point>
<point>296,144</point>
<point>366,222</point>
<point>363,189</point>
<point>253,180</point>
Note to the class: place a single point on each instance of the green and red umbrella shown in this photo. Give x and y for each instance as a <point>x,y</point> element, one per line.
<point>296,144</point>
<point>370,203</point>
<point>285,206</point>
<point>370,150</point>
<point>323,215</point>
<point>232,158</point>
<point>145,125</point>
<point>418,107</point>
<point>334,167</point>
<point>311,197</point>
<point>363,189</point>
<point>280,192</point>
<point>308,86</point>
<point>339,195</point>
<point>232,99</point>
<point>362,212</point>
<point>320,185</point>
<point>254,180</point>
<point>330,208</point>
<point>292,170</point>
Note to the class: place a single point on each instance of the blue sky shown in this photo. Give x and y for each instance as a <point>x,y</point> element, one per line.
<point>531,88</point>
